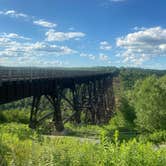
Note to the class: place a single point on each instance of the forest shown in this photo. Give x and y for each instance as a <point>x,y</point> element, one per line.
<point>134,135</point>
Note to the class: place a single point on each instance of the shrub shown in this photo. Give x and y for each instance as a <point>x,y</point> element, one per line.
<point>149,102</point>
<point>73,151</point>
<point>19,116</point>
<point>157,137</point>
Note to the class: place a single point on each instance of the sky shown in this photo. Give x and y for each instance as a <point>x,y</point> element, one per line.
<point>83,33</point>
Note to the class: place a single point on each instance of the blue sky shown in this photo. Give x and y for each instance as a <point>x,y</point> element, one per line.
<point>83,33</point>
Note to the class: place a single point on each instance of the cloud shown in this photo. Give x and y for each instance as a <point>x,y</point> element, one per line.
<point>23,53</point>
<point>90,56</point>
<point>136,28</point>
<point>143,45</point>
<point>39,22</point>
<point>44,47</point>
<point>103,57</point>
<point>38,62</point>
<point>38,48</point>
<point>52,35</point>
<point>13,13</point>
<point>44,23</point>
<point>104,45</point>
<point>30,61</point>
<point>13,36</point>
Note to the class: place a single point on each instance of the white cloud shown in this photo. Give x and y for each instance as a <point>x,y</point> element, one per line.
<point>44,23</point>
<point>55,49</point>
<point>143,45</point>
<point>12,51</point>
<point>103,57</point>
<point>52,35</point>
<point>40,49</point>
<point>136,28</point>
<point>13,13</point>
<point>90,56</point>
<point>30,61</point>
<point>33,61</point>
<point>104,45</point>
<point>163,47</point>
<point>13,36</point>
<point>3,40</point>
<point>39,22</point>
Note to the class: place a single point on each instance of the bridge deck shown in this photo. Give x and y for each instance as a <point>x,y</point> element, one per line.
<point>19,83</point>
<point>22,73</point>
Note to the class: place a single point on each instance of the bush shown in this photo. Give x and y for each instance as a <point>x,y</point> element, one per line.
<point>19,116</point>
<point>123,120</point>
<point>21,131</point>
<point>149,102</point>
<point>158,137</point>
<point>74,151</point>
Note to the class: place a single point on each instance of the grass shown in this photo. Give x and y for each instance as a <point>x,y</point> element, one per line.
<point>19,116</point>
<point>85,131</point>
<point>22,146</point>
<point>158,137</point>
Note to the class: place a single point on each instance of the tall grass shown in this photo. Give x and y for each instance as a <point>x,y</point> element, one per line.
<point>21,146</point>
<point>19,116</point>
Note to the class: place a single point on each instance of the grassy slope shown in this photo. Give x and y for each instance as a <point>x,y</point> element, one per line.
<point>19,145</point>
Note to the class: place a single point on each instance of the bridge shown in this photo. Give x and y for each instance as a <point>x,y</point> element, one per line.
<point>91,90</point>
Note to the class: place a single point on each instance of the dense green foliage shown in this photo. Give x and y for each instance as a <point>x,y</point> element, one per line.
<point>150,103</point>
<point>143,108</point>
<point>158,137</point>
<point>20,116</point>
<point>35,150</point>
<point>129,76</point>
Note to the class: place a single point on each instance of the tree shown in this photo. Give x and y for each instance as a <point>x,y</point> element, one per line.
<point>150,103</point>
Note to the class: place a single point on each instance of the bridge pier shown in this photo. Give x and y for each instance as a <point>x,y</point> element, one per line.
<point>100,100</point>
<point>34,111</point>
<point>55,100</point>
<point>57,116</point>
<point>94,98</point>
<point>90,102</point>
<point>76,105</point>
